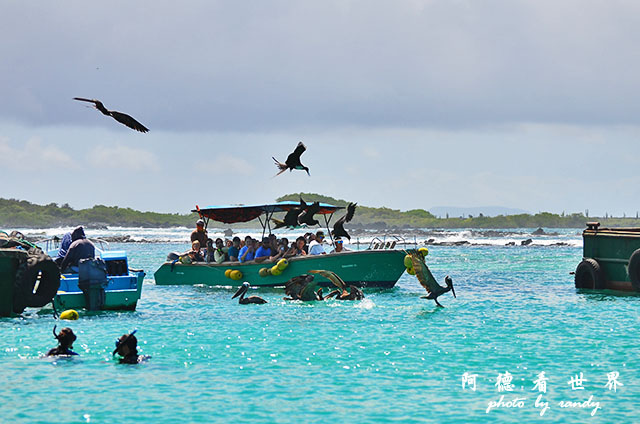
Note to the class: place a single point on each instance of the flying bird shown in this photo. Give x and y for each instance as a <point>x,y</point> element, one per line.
<point>293,161</point>
<point>306,217</point>
<point>291,217</point>
<point>247,300</point>
<point>338,227</point>
<point>341,293</point>
<point>123,118</point>
<point>302,287</point>
<point>427,280</point>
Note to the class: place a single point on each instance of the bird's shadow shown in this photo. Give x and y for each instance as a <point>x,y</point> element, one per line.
<point>428,312</point>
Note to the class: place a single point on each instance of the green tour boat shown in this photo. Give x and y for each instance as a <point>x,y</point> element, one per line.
<point>376,267</point>
<point>611,259</point>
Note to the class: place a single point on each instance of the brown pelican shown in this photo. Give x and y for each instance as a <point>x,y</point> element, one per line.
<point>426,278</point>
<point>306,217</point>
<point>302,288</point>
<point>293,161</point>
<point>342,293</point>
<point>123,118</point>
<point>247,300</point>
<point>338,227</point>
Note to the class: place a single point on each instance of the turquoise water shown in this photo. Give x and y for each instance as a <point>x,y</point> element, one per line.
<point>391,358</point>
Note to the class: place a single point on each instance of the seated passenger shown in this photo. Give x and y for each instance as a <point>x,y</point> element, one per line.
<point>264,251</point>
<point>65,343</point>
<point>297,249</point>
<point>219,254</point>
<point>195,253</point>
<point>338,246</point>
<point>315,247</point>
<point>208,254</point>
<point>247,253</point>
<point>234,250</point>
<point>80,248</point>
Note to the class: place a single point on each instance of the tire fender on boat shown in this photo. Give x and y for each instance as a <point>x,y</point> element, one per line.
<point>37,264</point>
<point>589,275</point>
<point>634,269</point>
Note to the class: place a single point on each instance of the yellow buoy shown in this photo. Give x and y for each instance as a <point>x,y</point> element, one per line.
<point>236,275</point>
<point>275,270</point>
<point>424,251</point>
<point>411,271</point>
<point>263,272</point>
<point>408,263</point>
<point>282,264</point>
<point>70,314</point>
<point>227,273</point>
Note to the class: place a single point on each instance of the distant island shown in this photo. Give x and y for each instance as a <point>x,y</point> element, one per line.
<point>23,214</point>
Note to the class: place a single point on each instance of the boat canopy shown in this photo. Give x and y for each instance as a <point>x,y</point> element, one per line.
<point>231,214</point>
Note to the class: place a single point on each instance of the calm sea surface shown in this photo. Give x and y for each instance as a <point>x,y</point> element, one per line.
<point>393,357</point>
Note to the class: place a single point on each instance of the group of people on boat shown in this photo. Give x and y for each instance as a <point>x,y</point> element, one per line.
<point>269,249</point>
<point>126,346</point>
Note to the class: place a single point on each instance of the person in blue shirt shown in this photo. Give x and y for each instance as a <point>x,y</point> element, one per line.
<point>247,253</point>
<point>64,246</point>
<point>65,343</point>
<point>264,250</point>
<point>234,249</point>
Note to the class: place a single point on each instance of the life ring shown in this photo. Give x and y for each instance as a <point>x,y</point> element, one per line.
<point>589,275</point>
<point>37,263</point>
<point>634,269</point>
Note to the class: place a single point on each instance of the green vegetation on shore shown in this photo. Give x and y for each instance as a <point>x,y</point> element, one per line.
<point>23,214</point>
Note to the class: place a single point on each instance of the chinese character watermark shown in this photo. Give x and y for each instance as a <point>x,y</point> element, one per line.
<point>503,382</point>
<point>613,382</point>
<point>469,380</point>
<point>540,383</point>
<point>577,382</point>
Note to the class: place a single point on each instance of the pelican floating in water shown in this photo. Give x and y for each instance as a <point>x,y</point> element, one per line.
<point>303,288</point>
<point>341,293</point>
<point>123,118</point>
<point>427,280</point>
<point>247,300</point>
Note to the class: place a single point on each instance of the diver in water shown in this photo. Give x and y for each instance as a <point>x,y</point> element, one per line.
<point>127,347</point>
<point>65,342</point>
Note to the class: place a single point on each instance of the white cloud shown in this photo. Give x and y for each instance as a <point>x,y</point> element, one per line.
<point>33,155</point>
<point>123,157</point>
<point>224,164</point>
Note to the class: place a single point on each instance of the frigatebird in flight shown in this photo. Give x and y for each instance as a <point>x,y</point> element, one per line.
<point>293,161</point>
<point>123,118</point>
<point>338,227</point>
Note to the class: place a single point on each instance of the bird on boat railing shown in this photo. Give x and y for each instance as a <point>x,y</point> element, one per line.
<point>353,292</point>
<point>247,300</point>
<point>338,227</point>
<point>123,118</point>
<point>302,287</point>
<point>306,217</point>
<point>293,161</point>
<point>427,280</point>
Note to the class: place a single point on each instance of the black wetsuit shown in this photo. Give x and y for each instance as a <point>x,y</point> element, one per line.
<point>61,351</point>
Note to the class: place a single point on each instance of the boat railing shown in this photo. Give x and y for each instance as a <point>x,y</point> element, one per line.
<point>53,243</point>
<point>382,244</point>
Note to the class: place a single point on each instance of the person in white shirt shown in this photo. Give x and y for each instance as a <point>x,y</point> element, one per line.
<point>315,247</point>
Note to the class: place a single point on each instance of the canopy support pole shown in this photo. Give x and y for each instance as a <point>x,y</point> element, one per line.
<point>327,221</point>
<point>263,226</point>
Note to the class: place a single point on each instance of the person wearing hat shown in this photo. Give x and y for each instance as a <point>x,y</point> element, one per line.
<point>65,343</point>
<point>315,247</point>
<point>199,233</point>
<point>127,347</point>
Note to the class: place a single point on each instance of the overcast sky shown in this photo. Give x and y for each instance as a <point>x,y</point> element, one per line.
<point>405,104</point>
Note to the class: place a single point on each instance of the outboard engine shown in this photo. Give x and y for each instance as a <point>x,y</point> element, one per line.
<point>92,280</point>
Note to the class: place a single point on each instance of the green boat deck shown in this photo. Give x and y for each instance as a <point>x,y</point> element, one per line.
<point>364,268</point>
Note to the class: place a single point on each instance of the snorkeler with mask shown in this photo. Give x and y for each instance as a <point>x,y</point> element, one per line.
<point>127,347</point>
<point>65,342</point>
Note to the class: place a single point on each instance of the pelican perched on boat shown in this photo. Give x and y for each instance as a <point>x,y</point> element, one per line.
<point>247,300</point>
<point>353,293</point>
<point>427,280</point>
<point>302,287</point>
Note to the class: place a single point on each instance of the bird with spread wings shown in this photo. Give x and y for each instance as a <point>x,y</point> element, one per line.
<point>353,292</point>
<point>123,118</point>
